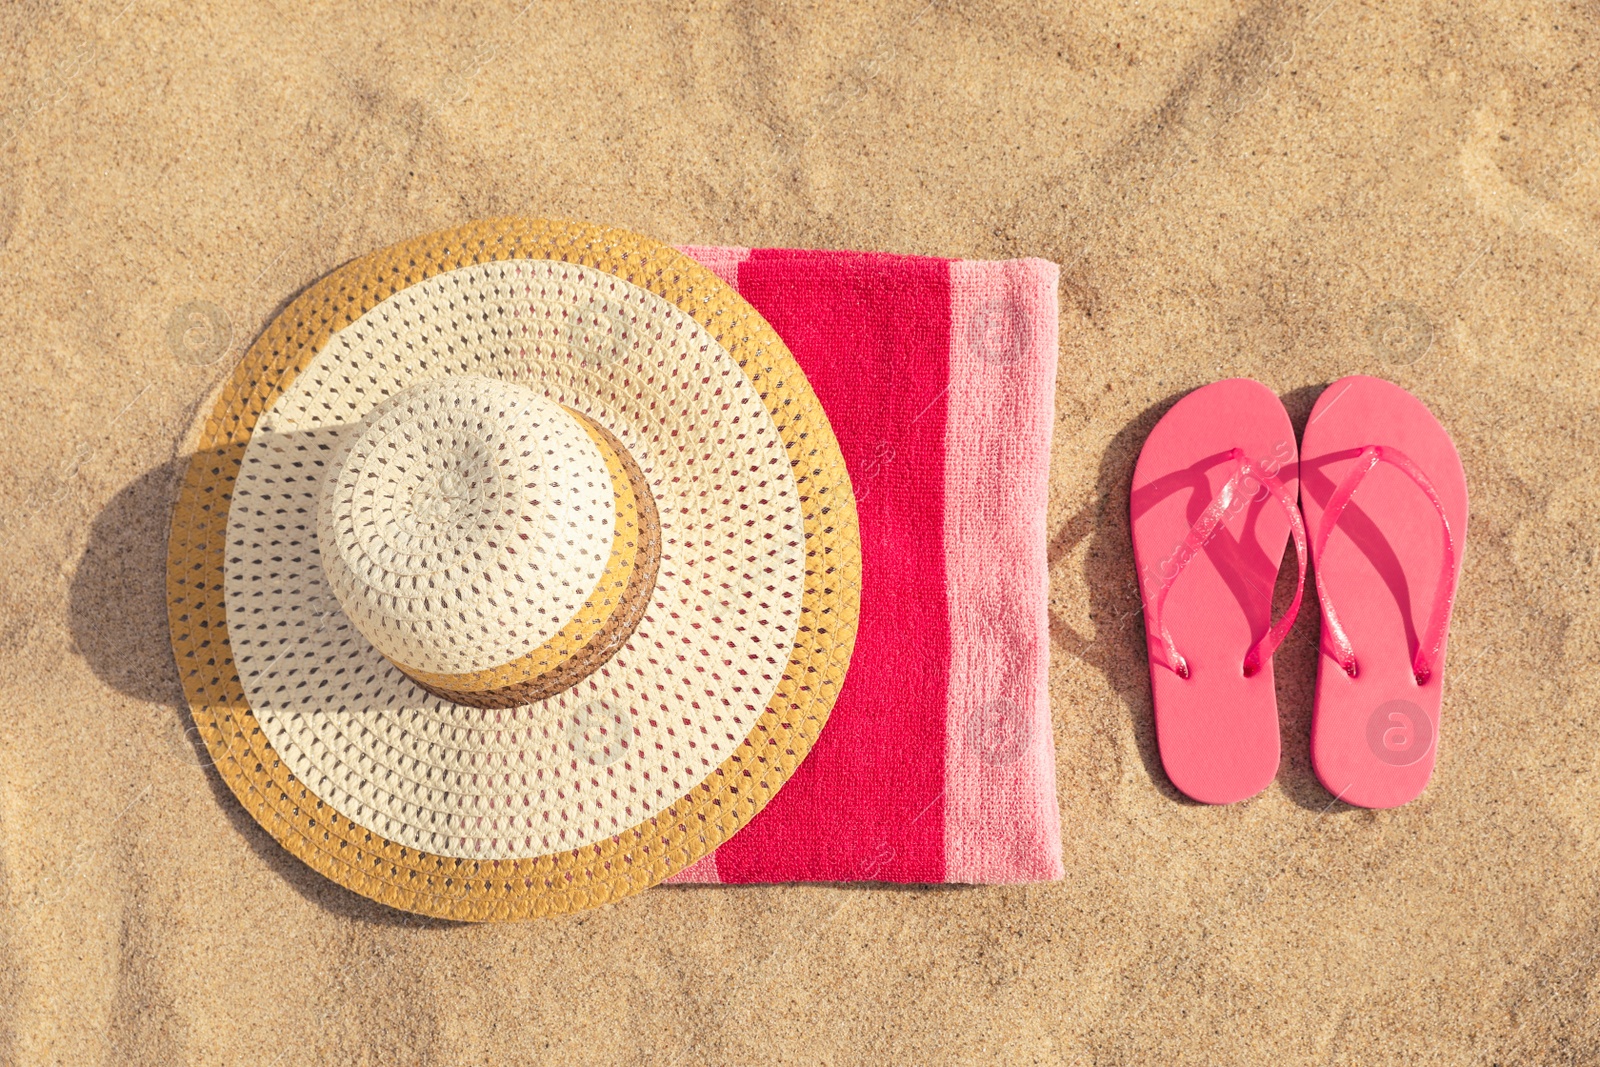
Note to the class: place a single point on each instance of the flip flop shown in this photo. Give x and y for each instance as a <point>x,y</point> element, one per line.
<point>1212,506</point>
<point>1384,494</point>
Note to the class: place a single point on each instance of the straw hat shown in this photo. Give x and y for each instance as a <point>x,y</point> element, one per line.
<point>516,567</point>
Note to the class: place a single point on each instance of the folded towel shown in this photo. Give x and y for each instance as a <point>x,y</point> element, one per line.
<point>937,763</point>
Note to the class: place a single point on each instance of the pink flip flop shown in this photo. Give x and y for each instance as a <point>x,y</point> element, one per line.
<point>1384,494</point>
<point>1213,503</point>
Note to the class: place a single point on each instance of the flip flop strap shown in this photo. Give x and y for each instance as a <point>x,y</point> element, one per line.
<point>1444,589</point>
<point>1201,533</point>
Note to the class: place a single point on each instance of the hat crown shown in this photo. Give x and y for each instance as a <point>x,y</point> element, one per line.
<point>464,522</point>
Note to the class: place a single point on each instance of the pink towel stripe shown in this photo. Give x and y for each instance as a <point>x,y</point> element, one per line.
<point>867,802</point>
<point>1002,824</point>
<point>723,262</point>
<point>702,871</point>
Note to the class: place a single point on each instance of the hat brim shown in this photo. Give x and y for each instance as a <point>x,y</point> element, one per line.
<point>656,848</point>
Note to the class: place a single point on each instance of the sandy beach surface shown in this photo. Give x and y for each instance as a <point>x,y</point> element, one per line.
<point>1292,192</point>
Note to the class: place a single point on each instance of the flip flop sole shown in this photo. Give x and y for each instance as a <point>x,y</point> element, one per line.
<point>1375,737</point>
<point>1218,728</point>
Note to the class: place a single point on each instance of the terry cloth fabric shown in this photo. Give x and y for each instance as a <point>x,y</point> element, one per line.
<point>937,763</point>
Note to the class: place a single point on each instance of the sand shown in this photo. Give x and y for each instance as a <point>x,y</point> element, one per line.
<point>1292,192</point>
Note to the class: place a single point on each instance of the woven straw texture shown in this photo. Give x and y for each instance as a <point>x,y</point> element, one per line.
<point>604,622</point>
<point>697,809</point>
<point>442,507</point>
<point>506,542</point>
